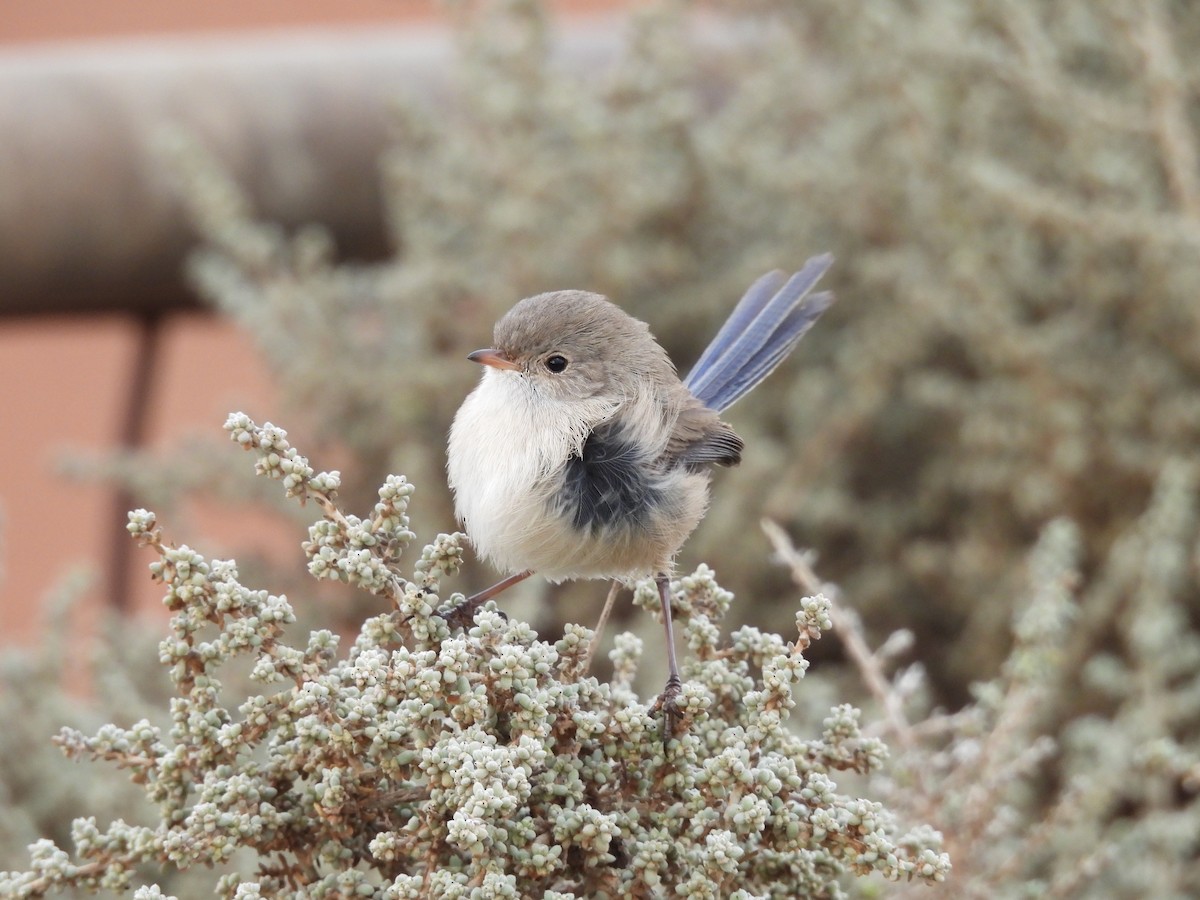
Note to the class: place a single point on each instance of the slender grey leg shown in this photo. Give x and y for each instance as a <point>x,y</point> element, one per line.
<point>464,613</point>
<point>477,600</point>
<point>666,700</point>
<point>664,597</point>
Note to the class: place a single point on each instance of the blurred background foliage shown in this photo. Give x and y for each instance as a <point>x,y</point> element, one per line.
<point>1012,192</point>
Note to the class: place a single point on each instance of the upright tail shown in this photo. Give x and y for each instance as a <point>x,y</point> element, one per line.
<point>761,331</point>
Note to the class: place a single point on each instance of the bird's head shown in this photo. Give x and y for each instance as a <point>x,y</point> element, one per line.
<point>573,346</point>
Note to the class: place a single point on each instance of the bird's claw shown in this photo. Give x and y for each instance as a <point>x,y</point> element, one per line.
<point>463,615</point>
<point>668,702</point>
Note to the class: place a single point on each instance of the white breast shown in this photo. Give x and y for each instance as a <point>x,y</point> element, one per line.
<point>507,454</point>
<point>507,451</point>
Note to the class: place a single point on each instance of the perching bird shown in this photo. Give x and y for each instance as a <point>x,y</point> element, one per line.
<point>581,454</point>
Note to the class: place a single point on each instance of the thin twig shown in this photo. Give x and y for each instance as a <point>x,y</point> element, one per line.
<point>848,627</point>
<point>1168,106</point>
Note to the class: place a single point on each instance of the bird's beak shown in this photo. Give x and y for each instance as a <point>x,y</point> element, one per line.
<point>497,359</point>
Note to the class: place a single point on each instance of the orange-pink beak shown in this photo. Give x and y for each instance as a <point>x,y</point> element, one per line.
<point>497,359</point>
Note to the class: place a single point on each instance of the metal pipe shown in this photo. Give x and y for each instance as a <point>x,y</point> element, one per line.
<point>89,218</point>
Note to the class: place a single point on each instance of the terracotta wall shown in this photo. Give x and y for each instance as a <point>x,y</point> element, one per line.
<point>33,20</point>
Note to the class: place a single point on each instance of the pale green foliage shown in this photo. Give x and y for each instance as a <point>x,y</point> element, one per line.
<point>1035,803</point>
<point>487,763</point>
<point>41,792</point>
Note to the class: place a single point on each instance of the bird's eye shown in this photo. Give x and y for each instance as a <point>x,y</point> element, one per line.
<point>556,363</point>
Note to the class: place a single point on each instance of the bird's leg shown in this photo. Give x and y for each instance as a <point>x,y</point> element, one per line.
<point>464,614</point>
<point>666,700</point>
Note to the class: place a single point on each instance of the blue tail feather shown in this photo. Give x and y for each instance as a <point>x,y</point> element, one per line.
<point>777,349</point>
<point>761,331</point>
<point>751,304</point>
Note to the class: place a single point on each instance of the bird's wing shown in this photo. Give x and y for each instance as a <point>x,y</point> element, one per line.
<point>701,439</point>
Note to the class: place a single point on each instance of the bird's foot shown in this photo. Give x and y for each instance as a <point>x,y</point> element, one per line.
<point>463,615</point>
<point>668,702</point>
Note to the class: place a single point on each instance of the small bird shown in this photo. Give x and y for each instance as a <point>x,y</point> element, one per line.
<point>580,454</point>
